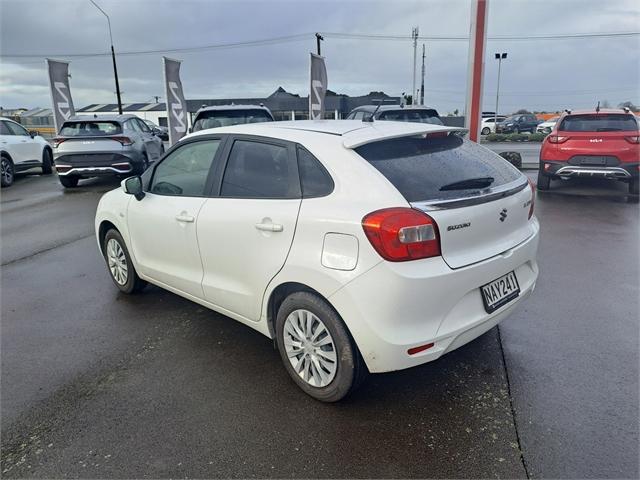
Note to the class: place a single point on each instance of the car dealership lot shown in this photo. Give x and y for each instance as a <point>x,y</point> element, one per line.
<point>98,384</point>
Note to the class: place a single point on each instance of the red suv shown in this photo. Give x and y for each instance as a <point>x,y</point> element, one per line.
<point>595,143</point>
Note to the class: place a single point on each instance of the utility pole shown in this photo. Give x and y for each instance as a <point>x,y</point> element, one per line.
<point>113,57</point>
<point>499,57</point>
<point>319,38</point>
<point>414,35</point>
<point>422,86</point>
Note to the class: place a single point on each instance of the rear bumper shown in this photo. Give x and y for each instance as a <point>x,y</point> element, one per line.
<point>99,163</point>
<point>622,171</point>
<point>397,306</point>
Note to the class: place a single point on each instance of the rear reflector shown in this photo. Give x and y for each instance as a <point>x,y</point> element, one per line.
<point>57,141</point>
<point>633,139</point>
<point>125,141</point>
<point>402,234</point>
<point>421,348</point>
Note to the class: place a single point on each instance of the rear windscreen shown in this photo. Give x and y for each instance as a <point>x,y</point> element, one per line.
<point>600,122</point>
<point>93,128</point>
<point>438,167</point>
<point>416,116</point>
<point>224,118</point>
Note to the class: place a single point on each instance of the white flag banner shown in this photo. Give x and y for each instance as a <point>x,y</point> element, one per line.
<point>318,76</point>
<point>176,104</point>
<point>60,93</point>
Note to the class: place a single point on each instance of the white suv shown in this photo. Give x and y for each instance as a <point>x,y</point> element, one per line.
<point>358,246</point>
<point>20,150</point>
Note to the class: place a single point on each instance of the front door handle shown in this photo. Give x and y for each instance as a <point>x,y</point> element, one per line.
<point>183,217</point>
<point>269,227</point>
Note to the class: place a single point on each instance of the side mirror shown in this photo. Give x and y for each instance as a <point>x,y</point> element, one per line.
<point>33,133</point>
<point>133,186</point>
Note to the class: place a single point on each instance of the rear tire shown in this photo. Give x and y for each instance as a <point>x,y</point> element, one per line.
<point>633,187</point>
<point>69,182</point>
<point>544,181</point>
<point>7,174</point>
<point>47,162</point>
<point>121,269</point>
<point>327,372</point>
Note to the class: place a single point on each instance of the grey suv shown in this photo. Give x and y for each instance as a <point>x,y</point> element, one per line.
<point>120,145</point>
<point>397,113</point>
<point>226,115</point>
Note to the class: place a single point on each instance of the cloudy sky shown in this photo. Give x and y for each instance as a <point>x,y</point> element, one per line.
<point>538,74</point>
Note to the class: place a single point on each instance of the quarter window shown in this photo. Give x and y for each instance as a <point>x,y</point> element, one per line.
<point>259,170</point>
<point>184,172</point>
<point>314,179</point>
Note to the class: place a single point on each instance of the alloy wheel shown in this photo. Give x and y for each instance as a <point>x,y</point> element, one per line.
<point>7,171</point>
<point>310,348</point>
<point>117,261</point>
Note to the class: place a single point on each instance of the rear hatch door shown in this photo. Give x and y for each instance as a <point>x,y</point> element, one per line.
<point>480,201</point>
<point>89,137</point>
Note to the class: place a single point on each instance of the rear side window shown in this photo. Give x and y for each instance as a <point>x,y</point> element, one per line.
<point>599,122</point>
<point>4,130</point>
<point>437,168</point>
<point>314,179</point>
<point>92,128</point>
<point>259,170</point>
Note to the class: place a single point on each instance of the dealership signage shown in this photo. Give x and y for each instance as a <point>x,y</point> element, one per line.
<point>318,87</point>
<point>60,93</point>
<point>176,104</point>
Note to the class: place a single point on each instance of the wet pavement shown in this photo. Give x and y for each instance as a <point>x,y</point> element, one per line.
<point>95,384</point>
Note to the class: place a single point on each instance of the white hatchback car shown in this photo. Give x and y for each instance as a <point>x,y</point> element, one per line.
<point>357,246</point>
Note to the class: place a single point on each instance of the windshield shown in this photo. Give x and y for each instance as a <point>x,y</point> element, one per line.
<point>605,122</point>
<point>224,118</point>
<point>91,128</point>
<point>407,115</point>
<point>438,168</point>
<point>510,119</point>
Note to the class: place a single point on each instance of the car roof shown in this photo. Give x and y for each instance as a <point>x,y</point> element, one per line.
<point>232,107</point>
<point>352,133</point>
<point>105,118</point>
<point>594,112</point>
<point>384,108</point>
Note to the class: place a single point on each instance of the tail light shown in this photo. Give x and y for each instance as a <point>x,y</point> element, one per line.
<point>633,139</point>
<point>125,141</point>
<point>402,234</point>
<point>557,139</point>
<point>57,141</point>
<point>533,197</point>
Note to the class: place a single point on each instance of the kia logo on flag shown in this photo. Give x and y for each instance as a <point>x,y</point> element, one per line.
<point>176,108</point>
<point>176,104</point>
<point>62,104</point>
<point>318,87</point>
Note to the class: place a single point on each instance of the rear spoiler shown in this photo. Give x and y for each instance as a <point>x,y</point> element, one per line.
<point>376,132</point>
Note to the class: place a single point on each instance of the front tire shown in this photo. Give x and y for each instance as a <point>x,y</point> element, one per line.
<point>69,182</point>
<point>7,173</point>
<point>544,181</point>
<point>119,263</point>
<point>486,131</point>
<point>316,348</point>
<point>47,162</point>
<point>516,130</point>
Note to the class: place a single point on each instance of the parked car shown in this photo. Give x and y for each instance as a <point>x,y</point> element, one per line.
<point>358,246</point>
<point>397,113</point>
<point>526,122</point>
<point>489,124</point>
<point>226,115</point>
<point>603,143</point>
<point>547,125</point>
<point>120,145</point>
<point>21,150</point>
<point>161,132</point>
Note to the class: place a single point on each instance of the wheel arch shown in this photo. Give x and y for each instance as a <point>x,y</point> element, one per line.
<point>6,154</point>
<point>103,228</point>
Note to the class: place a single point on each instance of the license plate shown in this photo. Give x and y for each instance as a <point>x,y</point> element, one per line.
<point>500,292</point>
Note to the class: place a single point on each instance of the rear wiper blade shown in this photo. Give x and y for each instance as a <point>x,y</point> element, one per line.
<point>480,182</point>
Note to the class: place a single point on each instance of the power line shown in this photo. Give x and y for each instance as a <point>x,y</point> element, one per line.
<point>309,35</point>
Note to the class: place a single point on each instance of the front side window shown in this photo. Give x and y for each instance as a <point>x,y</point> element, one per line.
<point>259,170</point>
<point>184,171</point>
<point>131,126</point>
<point>142,126</point>
<point>17,129</point>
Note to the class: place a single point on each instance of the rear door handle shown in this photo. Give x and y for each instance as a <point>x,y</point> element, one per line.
<point>269,227</point>
<point>183,217</point>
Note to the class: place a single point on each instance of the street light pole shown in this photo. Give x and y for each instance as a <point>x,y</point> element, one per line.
<point>113,57</point>
<point>499,57</point>
<point>414,35</point>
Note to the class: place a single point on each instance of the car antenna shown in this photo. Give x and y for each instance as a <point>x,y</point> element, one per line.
<point>370,117</point>
<point>598,107</point>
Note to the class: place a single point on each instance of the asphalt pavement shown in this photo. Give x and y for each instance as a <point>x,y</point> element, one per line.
<point>96,384</point>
